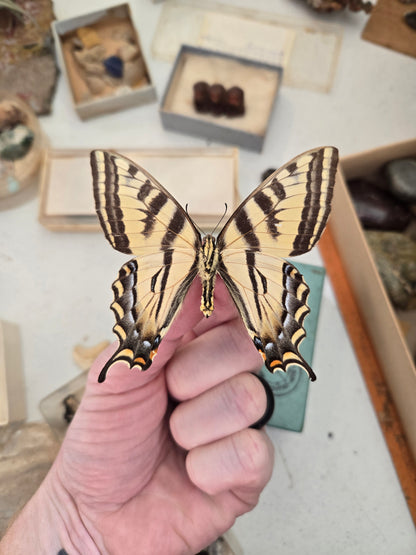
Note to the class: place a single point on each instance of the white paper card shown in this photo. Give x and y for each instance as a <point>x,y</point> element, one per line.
<point>255,40</point>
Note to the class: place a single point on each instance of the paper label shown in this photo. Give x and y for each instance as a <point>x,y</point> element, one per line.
<point>255,40</point>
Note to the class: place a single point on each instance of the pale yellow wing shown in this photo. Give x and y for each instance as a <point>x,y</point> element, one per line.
<point>140,217</point>
<point>284,216</point>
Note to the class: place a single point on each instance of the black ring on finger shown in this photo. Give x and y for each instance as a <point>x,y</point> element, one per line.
<point>270,404</point>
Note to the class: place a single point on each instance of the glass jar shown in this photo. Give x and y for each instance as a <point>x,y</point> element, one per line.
<point>21,145</point>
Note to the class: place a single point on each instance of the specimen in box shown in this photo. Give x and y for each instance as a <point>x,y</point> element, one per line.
<point>284,216</point>
<point>215,99</point>
<point>106,58</point>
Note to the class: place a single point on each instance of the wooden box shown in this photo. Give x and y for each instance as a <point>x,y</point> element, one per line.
<point>381,320</point>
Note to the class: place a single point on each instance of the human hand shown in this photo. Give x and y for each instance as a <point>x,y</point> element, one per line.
<point>162,461</point>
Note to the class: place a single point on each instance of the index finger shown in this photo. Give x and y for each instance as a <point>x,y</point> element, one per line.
<point>190,322</point>
<point>219,348</point>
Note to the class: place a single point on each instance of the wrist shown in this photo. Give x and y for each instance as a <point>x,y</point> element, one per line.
<point>35,529</point>
<point>48,523</point>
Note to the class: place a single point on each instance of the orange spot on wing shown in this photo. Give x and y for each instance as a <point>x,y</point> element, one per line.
<point>153,354</point>
<point>263,354</point>
<point>275,363</point>
<point>139,360</point>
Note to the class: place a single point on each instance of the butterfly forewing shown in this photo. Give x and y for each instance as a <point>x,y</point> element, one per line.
<point>137,214</point>
<point>288,212</point>
<point>284,216</point>
<point>140,217</point>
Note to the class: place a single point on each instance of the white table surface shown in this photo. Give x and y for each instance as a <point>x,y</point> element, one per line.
<point>334,488</point>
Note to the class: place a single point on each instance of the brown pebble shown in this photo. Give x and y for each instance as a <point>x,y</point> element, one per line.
<point>235,102</point>
<point>217,96</point>
<point>88,36</point>
<point>201,97</point>
<point>134,71</point>
<point>128,52</point>
<point>95,84</point>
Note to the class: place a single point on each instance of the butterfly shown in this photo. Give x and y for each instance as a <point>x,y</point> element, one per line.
<point>283,217</point>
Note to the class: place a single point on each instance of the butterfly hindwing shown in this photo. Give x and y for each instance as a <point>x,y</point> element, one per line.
<point>140,217</point>
<point>284,216</point>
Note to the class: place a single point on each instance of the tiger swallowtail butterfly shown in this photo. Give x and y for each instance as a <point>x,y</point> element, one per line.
<point>283,217</point>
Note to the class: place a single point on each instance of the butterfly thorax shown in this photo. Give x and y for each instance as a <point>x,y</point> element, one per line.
<point>207,266</point>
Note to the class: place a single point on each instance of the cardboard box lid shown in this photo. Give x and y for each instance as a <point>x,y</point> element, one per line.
<point>203,179</point>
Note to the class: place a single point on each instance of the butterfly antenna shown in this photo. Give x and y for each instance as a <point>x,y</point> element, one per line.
<point>221,219</point>
<point>195,224</point>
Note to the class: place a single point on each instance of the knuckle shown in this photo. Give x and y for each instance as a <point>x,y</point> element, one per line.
<point>238,340</point>
<point>254,454</point>
<point>246,396</point>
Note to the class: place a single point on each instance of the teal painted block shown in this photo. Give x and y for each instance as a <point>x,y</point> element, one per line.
<point>291,389</point>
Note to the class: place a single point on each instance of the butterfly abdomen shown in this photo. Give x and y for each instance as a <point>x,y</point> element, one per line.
<point>208,266</point>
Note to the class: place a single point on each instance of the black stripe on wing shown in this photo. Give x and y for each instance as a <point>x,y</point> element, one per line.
<point>131,205</point>
<point>111,207</point>
<point>137,347</point>
<point>289,210</point>
<point>312,203</point>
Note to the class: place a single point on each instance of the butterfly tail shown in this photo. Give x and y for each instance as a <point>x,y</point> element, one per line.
<point>282,358</point>
<point>137,353</point>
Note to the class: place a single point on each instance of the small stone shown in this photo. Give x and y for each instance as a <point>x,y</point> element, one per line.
<point>77,43</point>
<point>94,69</point>
<point>88,36</point>
<point>123,35</point>
<point>134,72</point>
<point>91,59</point>
<point>71,404</point>
<point>128,52</point>
<point>376,208</point>
<point>395,257</point>
<point>95,84</point>
<point>122,90</point>
<point>114,66</point>
<point>218,98</point>
<point>15,143</point>
<point>201,100</point>
<point>235,102</point>
<point>410,19</point>
<point>401,178</point>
